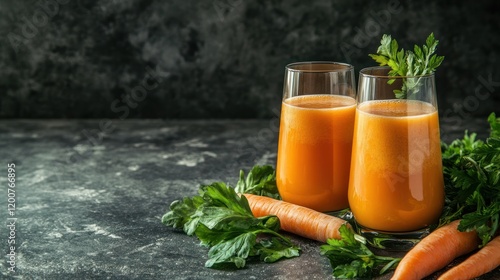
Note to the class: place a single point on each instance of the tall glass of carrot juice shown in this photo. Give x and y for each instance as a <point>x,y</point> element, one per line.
<point>396,188</point>
<point>315,139</point>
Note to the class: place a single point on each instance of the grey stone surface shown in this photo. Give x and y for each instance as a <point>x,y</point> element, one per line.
<point>90,208</point>
<point>223,58</point>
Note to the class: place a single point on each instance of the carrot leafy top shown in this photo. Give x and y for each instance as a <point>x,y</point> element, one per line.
<point>261,180</point>
<point>223,221</point>
<point>472,182</point>
<point>351,258</point>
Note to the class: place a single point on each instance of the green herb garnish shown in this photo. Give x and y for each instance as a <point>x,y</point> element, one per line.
<point>420,61</point>
<point>261,180</point>
<point>472,182</point>
<point>350,257</point>
<point>223,221</point>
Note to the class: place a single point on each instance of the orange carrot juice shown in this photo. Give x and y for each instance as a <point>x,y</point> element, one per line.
<point>314,150</point>
<point>396,183</point>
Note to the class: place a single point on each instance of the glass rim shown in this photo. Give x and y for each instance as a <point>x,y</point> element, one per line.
<point>345,67</point>
<point>362,72</point>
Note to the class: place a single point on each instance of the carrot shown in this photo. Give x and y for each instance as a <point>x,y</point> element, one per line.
<point>297,219</point>
<point>484,261</point>
<point>435,251</point>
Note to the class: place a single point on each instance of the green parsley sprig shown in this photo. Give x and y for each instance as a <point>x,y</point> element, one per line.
<point>472,182</point>
<point>261,180</point>
<point>223,221</point>
<point>351,258</point>
<point>408,64</point>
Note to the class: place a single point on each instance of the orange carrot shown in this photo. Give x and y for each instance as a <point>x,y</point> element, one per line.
<point>435,251</point>
<point>484,261</point>
<point>297,219</point>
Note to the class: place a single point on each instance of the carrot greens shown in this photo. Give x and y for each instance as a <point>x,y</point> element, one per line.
<point>261,180</point>
<point>350,257</point>
<point>223,221</point>
<point>472,182</point>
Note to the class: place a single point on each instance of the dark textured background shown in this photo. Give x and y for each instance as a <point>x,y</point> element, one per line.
<point>224,58</point>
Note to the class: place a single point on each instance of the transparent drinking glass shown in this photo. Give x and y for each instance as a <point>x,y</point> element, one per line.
<point>396,188</point>
<point>315,139</point>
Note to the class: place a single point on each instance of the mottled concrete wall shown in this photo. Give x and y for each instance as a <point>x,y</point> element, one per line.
<point>223,58</point>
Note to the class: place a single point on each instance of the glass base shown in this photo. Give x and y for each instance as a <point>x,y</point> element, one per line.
<point>344,214</point>
<point>392,241</point>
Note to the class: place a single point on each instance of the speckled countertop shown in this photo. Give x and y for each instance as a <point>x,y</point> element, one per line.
<point>90,196</point>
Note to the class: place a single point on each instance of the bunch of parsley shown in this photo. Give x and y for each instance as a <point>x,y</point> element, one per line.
<point>223,221</point>
<point>472,182</point>
<point>409,64</point>
<point>261,180</point>
<point>351,258</point>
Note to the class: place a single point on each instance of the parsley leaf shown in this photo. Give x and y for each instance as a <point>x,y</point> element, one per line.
<point>408,64</point>
<point>351,258</point>
<point>275,249</point>
<point>261,180</point>
<point>235,250</point>
<point>223,221</point>
<point>180,214</point>
<point>472,182</point>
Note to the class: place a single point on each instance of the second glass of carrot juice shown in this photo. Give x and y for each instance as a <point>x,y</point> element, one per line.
<point>315,139</point>
<point>396,188</point>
